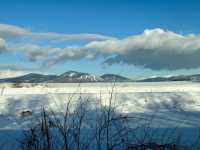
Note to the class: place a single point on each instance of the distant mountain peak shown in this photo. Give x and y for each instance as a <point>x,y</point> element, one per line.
<point>75,76</point>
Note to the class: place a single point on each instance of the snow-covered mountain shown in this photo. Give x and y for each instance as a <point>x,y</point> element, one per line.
<point>74,76</point>
<point>67,77</point>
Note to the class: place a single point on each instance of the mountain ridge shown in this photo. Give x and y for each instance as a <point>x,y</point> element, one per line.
<point>82,77</point>
<point>66,77</point>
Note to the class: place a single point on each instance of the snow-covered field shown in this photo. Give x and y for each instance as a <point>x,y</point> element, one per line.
<point>95,88</point>
<point>166,104</point>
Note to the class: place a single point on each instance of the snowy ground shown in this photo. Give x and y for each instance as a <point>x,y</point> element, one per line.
<point>168,104</point>
<point>95,88</point>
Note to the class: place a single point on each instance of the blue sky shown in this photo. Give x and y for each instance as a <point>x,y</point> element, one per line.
<point>111,17</point>
<point>117,19</point>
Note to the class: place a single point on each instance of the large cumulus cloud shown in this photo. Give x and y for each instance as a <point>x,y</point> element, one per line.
<point>155,49</point>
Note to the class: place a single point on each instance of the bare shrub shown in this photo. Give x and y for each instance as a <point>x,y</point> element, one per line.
<point>79,127</point>
<point>83,126</point>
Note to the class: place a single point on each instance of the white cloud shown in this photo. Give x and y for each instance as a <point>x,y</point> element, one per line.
<point>66,37</point>
<point>50,55</point>
<point>34,52</point>
<point>151,39</point>
<point>71,53</point>
<point>11,31</point>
